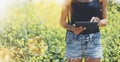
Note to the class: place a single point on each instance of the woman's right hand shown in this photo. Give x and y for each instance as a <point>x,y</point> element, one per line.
<point>78,30</point>
<point>75,30</point>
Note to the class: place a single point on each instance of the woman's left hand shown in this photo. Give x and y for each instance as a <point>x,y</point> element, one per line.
<point>101,23</point>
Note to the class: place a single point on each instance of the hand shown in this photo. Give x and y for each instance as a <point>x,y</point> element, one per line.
<point>78,30</point>
<point>101,23</point>
<point>95,19</point>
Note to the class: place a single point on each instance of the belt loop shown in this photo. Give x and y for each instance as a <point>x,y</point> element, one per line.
<point>76,37</point>
<point>91,35</point>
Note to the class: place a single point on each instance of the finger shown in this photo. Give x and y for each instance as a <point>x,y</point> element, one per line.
<point>76,32</point>
<point>80,30</point>
<point>84,28</point>
<point>92,19</point>
<point>80,27</point>
<point>74,25</point>
<point>97,19</point>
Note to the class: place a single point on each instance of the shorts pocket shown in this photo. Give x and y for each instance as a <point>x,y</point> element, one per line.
<point>70,37</point>
<point>96,39</point>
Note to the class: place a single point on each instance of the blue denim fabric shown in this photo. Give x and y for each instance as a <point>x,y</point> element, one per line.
<point>88,45</point>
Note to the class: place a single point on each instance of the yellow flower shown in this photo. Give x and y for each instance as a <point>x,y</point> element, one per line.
<point>37,45</point>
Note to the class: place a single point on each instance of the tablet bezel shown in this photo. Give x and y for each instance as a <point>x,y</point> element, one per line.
<point>89,25</point>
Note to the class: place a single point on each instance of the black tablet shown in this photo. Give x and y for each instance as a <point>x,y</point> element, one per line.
<point>88,25</point>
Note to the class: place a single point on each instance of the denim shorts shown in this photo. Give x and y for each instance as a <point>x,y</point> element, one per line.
<point>88,45</point>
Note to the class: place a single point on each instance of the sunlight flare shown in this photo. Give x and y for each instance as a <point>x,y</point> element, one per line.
<point>60,2</point>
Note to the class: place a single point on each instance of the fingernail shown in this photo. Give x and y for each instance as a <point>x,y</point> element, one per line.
<point>80,27</point>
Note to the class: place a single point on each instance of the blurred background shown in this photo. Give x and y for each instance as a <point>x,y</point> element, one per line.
<point>30,31</point>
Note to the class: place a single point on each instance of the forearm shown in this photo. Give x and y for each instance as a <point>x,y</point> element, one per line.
<point>67,26</point>
<point>64,16</point>
<point>103,22</point>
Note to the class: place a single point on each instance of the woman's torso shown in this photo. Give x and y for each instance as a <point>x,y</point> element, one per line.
<point>83,0</point>
<point>84,11</point>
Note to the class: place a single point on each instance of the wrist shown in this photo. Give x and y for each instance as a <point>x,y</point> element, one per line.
<point>102,23</point>
<point>69,27</point>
